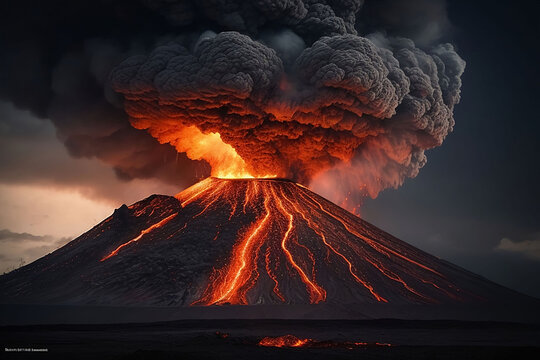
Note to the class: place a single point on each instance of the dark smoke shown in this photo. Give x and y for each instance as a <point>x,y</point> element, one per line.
<point>363,108</point>
<point>315,90</point>
<point>56,59</point>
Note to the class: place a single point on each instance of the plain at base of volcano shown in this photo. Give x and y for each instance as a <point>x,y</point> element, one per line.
<point>257,248</point>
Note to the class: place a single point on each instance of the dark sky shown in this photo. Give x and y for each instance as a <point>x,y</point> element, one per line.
<point>475,203</point>
<point>482,185</point>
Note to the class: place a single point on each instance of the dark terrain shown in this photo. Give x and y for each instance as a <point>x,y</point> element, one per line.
<point>238,339</point>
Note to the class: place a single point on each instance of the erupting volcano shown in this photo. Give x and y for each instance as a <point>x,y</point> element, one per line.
<point>241,242</point>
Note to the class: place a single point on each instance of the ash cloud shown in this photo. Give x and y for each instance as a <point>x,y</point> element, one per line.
<point>55,63</point>
<point>306,88</point>
<point>360,108</point>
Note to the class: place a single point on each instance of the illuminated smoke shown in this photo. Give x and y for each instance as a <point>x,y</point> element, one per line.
<point>312,90</point>
<point>310,99</point>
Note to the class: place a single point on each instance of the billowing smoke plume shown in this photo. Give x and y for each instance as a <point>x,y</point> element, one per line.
<point>306,89</point>
<point>56,59</point>
<point>309,99</point>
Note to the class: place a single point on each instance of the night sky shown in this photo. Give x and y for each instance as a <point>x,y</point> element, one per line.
<point>475,202</point>
<point>481,186</point>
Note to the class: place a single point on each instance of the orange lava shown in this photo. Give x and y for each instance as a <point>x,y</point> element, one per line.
<point>283,341</point>
<point>231,288</point>
<point>318,231</point>
<point>145,231</point>
<point>288,245</point>
<point>268,250</point>
<point>316,293</point>
<point>291,341</point>
<point>222,157</point>
<point>377,246</point>
<point>231,283</point>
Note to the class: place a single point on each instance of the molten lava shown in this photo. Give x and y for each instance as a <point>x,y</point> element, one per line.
<point>294,241</point>
<point>289,341</point>
<point>244,242</point>
<point>139,237</point>
<point>284,341</point>
<point>222,157</point>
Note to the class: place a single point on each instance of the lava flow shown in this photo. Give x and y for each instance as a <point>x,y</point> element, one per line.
<point>298,243</point>
<point>243,242</point>
<point>289,341</point>
<point>145,231</point>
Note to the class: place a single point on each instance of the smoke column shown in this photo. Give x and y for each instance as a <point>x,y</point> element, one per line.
<point>307,99</point>
<point>309,90</point>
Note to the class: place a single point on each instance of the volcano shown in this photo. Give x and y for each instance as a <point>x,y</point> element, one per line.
<point>241,242</point>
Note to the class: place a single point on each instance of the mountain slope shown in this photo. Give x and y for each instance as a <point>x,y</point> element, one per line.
<point>253,241</point>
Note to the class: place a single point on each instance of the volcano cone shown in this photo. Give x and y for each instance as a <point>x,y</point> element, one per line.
<point>244,242</point>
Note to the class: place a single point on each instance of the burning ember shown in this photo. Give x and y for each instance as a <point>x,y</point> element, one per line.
<point>291,341</point>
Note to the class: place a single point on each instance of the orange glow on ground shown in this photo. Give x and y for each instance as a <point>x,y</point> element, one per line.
<point>291,341</point>
<point>283,341</point>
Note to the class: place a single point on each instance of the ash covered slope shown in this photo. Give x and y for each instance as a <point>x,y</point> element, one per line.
<point>241,242</point>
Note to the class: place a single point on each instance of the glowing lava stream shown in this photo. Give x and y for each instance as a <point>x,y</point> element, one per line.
<point>288,341</point>
<point>145,231</point>
<point>323,238</point>
<point>378,247</point>
<point>231,283</point>
<point>316,293</point>
<point>229,288</point>
<point>291,230</point>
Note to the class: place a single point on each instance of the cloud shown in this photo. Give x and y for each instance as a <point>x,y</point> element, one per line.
<point>31,154</point>
<point>529,248</point>
<point>17,249</point>
<point>6,236</point>
<point>277,76</point>
<point>361,108</point>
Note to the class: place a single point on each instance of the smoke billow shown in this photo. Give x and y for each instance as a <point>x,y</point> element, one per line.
<point>56,62</point>
<point>305,89</point>
<point>309,100</point>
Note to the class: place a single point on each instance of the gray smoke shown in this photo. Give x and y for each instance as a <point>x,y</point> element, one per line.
<point>313,101</point>
<point>309,89</point>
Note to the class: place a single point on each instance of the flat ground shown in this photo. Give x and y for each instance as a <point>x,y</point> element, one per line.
<point>238,339</point>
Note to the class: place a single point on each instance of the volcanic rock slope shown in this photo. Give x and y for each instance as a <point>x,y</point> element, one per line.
<point>251,241</point>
